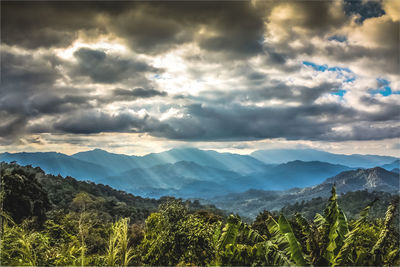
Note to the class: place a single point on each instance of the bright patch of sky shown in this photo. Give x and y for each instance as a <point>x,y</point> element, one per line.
<point>345,74</point>
<point>384,88</point>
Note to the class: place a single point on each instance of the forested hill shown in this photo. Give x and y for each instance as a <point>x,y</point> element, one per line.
<point>351,203</point>
<point>30,192</point>
<point>251,202</point>
<point>53,221</point>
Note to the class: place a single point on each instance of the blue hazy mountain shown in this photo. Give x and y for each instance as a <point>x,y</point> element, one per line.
<point>392,166</point>
<point>188,179</point>
<point>58,163</point>
<point>376,178</point>
<point>168,178</point>
<point>251,202</point>
<point>243,164</point>
<point>116,163</point>
<point>281,177</point>
<point>292,174</point>
<point>277,156</point>
<point>184,172</point>
<point>396,170</point>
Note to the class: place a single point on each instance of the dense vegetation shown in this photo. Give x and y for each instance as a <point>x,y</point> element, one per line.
<point>49,220</point>
<point>351,203</point>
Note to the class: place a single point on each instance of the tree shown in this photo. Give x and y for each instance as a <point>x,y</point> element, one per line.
<point>23,196</point>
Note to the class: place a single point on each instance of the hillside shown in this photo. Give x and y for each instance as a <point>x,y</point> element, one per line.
<point>350,202</point>
<point>60,193</point>
<point>376,178</point>
<point>252,202</point>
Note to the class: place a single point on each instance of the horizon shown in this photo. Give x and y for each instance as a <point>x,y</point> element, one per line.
<point>145,77</point>
<point>196,148</point>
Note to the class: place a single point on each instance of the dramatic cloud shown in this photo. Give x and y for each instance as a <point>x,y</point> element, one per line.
<point>199,71</point>
<point>137,92</point>
<point>103,68</point>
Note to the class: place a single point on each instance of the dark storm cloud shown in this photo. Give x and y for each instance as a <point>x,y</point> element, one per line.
<point>23,71</point>
<point>28,86</point>
<point>120,94</point>
<point>23,76</point>
<point>367,132</point>
<point>363,9</point>
<point>89,122</point>
<point>387,111</point>
<point>138,93</point>
<point>275,58</point>
<point>10,124</point>
<point>264,89</point>
<point>104,68</point>
<point>44,24</point>
<point>53,104</point>
<point>235,122</point>
<point>234,28</point>
<point>29,89</point>
<point>318,17</point>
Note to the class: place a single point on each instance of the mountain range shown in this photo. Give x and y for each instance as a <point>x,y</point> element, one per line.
<point>278,156</point>
<point>251,202</point>
<point>58,163</point>
<point>195,173</point>
<point>242,164</point>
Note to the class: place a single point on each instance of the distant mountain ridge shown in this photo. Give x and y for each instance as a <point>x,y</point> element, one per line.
<point>391,166</point>
<point>189,179</point>
<point>243,164</point>
<point>278,156</point>
<point>169,177</point>
<point>58,163</point>
<point>288,175</point>
<point>183,172</point>
<point>117,163</point>
<point>250,203</point>
<point>377,179</point>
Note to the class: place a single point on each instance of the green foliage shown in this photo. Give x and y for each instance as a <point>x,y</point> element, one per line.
<point>295,249</point>
<point>334,228</point>
<point>386,243</point>
<point>21,246</point>
<point>346,252</point>
<point>22,195</point>
<point>350,203</point>
<point>95,226</point>
<point>118,251</point>
<point>173,236</point>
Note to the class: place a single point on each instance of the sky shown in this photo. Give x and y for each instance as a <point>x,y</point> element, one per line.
<point>138,77</point>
